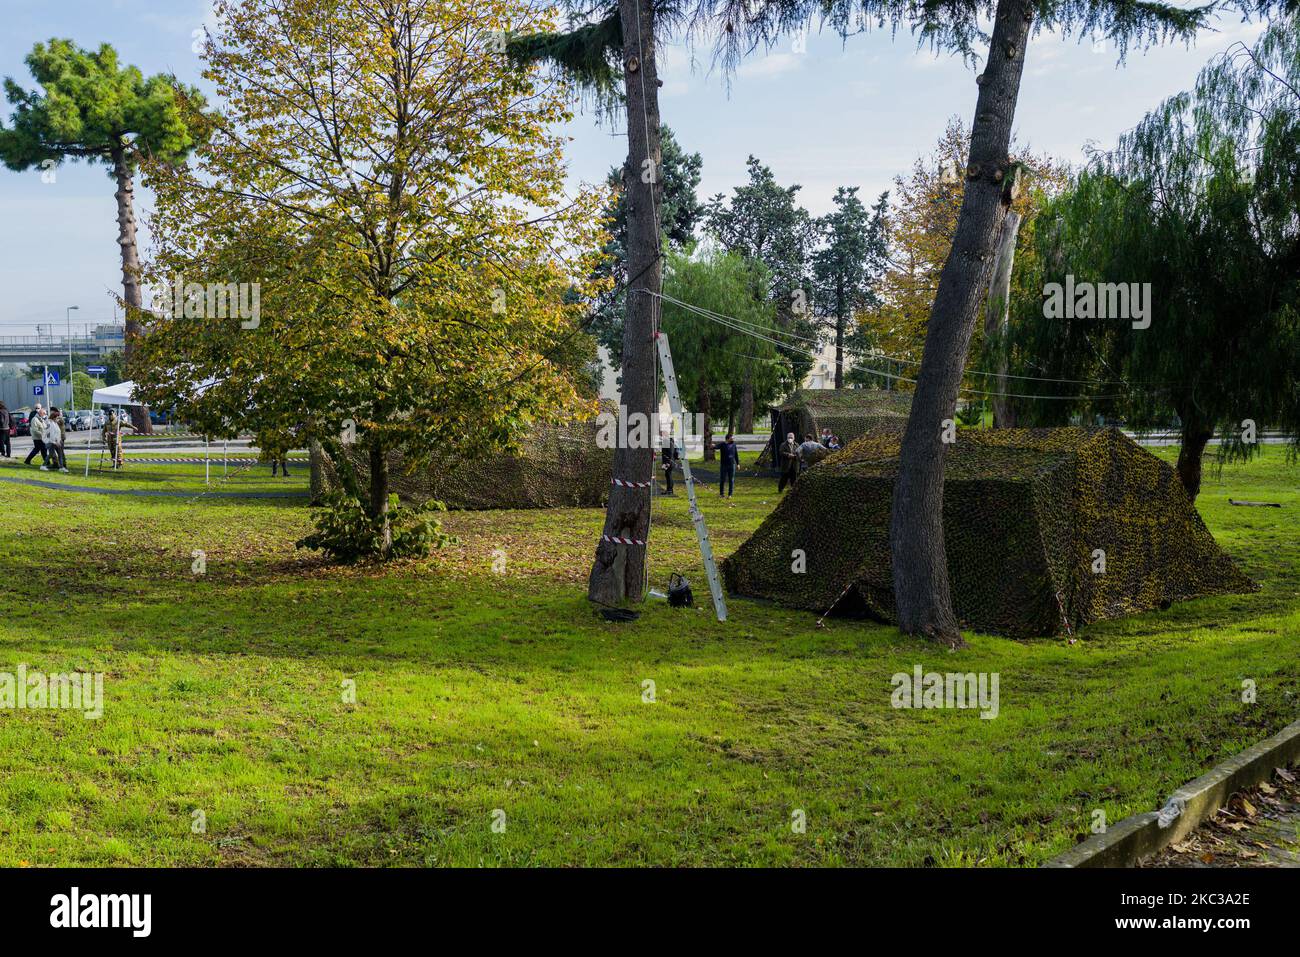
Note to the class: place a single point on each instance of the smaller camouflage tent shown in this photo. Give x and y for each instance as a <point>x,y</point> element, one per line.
<point>1029,517</point>
<point>557,467</point>
<point>848,413</point>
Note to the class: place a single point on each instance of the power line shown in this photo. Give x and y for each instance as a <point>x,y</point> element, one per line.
<point>731,323</point>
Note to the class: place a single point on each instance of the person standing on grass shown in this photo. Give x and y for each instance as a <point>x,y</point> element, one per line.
<point>112,435</point>
<point>37,427</point>
<point>55,435</point>
<point>6,422</point>
<point>729,458</point>
<point>788,461</point>
<point>668,459</point>
<point>282,461</point>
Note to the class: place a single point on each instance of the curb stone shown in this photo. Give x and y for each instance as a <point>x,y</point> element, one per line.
<point>1140,835</point>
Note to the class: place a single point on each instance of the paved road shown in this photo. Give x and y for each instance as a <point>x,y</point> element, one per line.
<point>79,442</point>
<point>152,493</point>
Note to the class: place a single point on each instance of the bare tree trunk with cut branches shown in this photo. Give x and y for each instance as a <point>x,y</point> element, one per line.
<point>920,566</point>
<point>998,318</point>
<point>126,240</point>
<point>618,573</point>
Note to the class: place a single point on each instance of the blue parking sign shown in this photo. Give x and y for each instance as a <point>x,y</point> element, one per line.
<point>38,390</point>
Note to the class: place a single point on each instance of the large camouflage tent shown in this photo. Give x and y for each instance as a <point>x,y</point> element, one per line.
<point>848,413</point>
<point>557,466</point>
<point>1028,514</point>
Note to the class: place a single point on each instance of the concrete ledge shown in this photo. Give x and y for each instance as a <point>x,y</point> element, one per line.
<point>1140,835</point>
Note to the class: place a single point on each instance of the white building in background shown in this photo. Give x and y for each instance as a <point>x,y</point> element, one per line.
<point>822,373</point>
<point>609,385</point>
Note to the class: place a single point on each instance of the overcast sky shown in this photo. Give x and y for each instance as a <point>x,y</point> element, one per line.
<point>829,114</point>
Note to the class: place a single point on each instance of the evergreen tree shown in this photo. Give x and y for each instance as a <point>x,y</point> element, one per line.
<point>91,108</point>
<point>848,265</point>
<point>679,215</point>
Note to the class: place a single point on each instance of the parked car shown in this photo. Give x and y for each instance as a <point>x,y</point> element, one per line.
<point>80,419</point>
<point>22,422</point>
<point>97,418</point>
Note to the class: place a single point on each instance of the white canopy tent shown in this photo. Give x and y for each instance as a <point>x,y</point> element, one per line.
<point>120,394</point>
<point>124,394</point>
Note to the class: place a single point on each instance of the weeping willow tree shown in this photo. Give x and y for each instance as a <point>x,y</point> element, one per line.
<point>1195,212</point>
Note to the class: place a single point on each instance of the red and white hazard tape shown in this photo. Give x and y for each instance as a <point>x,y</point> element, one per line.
<point>620,540</point>
<point>623,484</point>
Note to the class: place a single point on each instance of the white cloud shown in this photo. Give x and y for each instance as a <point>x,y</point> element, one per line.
<point>771,65</point>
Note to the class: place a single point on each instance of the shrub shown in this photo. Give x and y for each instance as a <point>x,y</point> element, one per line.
<point>347,532</point>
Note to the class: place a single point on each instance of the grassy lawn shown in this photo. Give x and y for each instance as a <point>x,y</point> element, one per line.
<point>478,691</point>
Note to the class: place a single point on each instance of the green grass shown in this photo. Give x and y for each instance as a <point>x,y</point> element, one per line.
<point>477,691</point>
<point>240,474</point>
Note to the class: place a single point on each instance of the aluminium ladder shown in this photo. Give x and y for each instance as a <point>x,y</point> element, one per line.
<point>697,518</point>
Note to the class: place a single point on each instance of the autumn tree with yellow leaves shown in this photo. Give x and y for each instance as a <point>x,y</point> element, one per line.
<point>920,223</point>
<point>380,186</point>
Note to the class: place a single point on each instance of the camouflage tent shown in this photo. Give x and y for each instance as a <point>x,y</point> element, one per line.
<point>1046,530</point>
<point>848,413</point>
<point>557,466</point>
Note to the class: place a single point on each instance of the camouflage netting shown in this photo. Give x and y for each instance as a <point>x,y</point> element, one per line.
<point>558,466</point>
<point>848,413</point>
<point>1024,510</point>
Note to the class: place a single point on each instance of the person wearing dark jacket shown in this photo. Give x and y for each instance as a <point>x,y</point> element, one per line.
<point>668,459</point>
<point>787,457</point>
<point>728,459</point>
<point>6,423</point>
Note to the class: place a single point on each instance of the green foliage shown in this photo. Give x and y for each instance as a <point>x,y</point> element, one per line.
<point>587,53</point>
<point>94,109</point>
<point>410,288</point>
<point>849,265</point>
<point>957,26</point>
<point>83,387</point>
<point>764,223</point>
<point>713,360</point>
<point>680,211</point>
<point>1199,201</point>
<point>348,532</point>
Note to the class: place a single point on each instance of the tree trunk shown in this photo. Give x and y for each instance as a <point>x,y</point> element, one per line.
<point>705,408</point>
<point>998,318</point>
<point>1195,439</point>
<point>379,496</point>
<point>920,564</point>
<point>746,425</point>
<point>125,197</point>
<point>618,573</point>
<point>317,479</point>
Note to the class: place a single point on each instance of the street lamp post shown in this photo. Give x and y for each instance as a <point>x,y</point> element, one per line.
<point>71,394</point>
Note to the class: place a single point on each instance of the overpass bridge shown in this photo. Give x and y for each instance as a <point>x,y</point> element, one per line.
<point>38,349</point>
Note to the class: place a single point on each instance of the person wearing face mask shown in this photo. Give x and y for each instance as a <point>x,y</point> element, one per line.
<point>788,462</point>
